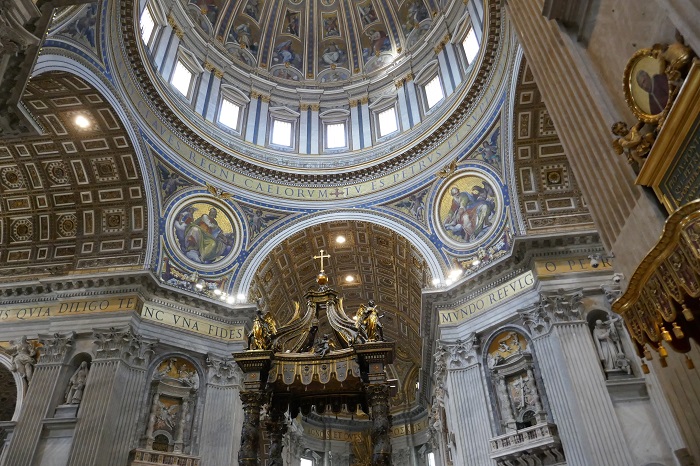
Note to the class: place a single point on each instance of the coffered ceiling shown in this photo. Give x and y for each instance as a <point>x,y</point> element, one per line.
<point>72,198</point>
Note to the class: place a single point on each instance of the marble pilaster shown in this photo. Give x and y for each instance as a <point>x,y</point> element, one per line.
<point>43,393</point>
<point>262,120</point>
<point>403,109</point>
<point>366,125</point>
<point>222,412</point>
<point>251,123</point>
<point>170,55</point>
<point>355,124</point>
<point>378,399</point>
<point>580,404</point>
<point>104,433</point>
<point>201,96</point>
<point>412,99</point>
<point>314,136</point>
<point>447,83</point>
<point>160,47</point>
<point>212,103</point>
<point>467,410</point>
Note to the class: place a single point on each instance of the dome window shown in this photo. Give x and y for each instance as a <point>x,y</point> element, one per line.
<point>181,79</point>
<point>470,44</point>
<point>335,136</point>
<point>148,25</point>
<point>387,121</point>
<point>434,92</point>
<point>229,114</point>
<point>281,133</point>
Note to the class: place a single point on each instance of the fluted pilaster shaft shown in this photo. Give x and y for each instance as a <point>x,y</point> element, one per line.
<point>223,412</point>
<point>621,210</point>
<point>104,433</point>
<point>37,403</point>
<point>468,415</point>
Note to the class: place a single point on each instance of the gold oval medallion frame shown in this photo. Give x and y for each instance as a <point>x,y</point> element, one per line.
<point>646,85</point>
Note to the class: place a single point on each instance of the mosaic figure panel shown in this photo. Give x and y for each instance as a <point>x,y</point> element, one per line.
<point>468,209</point>
<point>204,233</point>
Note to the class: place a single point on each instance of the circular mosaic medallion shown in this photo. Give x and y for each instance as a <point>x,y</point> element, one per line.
<point>469,208</point>
<point>204,233</point>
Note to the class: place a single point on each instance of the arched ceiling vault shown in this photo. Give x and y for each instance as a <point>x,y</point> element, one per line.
<point>73,197</point>
<point>384,265</point>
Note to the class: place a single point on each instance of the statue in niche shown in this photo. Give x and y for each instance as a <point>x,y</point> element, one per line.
<point>24,358</point>
<point>504,402</point>
<point>369,320</point>
<point>76,385</point>
<point>607,340</point>
<point>532,397</point>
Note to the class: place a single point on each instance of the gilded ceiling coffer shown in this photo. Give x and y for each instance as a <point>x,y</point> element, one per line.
<point>292,369</point>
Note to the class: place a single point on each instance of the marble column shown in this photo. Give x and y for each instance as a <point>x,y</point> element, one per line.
<point>402,109</point>
<point>304,129</point>
<point>170,55</point>
<point>212,102</point>
<point>261,133</point>
<point>378,398</point>
<point>222,411</point>
<point>581,406</point>
<point>366,137</point>
<point>447,81</point>
<point>468,407</point>
<point>248,455</point>
<point>252,122</point>
<point>160,48</point>
<point>205,81</point>
<point>44,392</point>
<point>104,433</point>
<point>412,100</point>
<point>355,124</point>
<point>314,137</point>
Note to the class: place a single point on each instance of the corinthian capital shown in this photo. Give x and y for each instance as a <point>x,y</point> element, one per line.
<point>222,371</point>
<point>55,347</point>
<point>123,343</point>
<point>553,307</point>
<point>462,353</point>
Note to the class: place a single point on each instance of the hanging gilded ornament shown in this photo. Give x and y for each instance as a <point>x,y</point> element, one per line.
<point>647,353</point>
<point>687,313</point>
<point>662,351</point>
<point>645,368</point>
<point>677,331</point>
<point>665,335</point>
<point>689,362</point>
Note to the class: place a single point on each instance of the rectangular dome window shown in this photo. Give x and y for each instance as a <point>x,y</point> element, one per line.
<point>470,46</point>
<point>306,462</point>
<point>387,122</point>
<point>281,133</point>
<point>335,136</point>
<point>147,24</point>
<point>228,114</point>
<point>431,459</point>
<point>433,92</point>
<point>181,79</point>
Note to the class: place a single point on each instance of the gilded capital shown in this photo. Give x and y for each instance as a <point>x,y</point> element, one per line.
<point>55,347</point>
<point>123,343</point>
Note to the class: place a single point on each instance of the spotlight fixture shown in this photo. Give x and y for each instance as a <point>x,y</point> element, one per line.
<point>455,274</point>
<point>217,292</point>
<point>230,300</point>
<point>436,281</point>
<point>199,285</point>
<point>349,279</point>
<point>241,297</point>
<point>340,239</point>
<point>81,121</point>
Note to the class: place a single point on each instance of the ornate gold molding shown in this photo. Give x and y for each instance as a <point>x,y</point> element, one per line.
<point>659,303</point>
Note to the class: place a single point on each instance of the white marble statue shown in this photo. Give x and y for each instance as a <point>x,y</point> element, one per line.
<point>24,358</point>
<point>607,342</point>
<point>76,385</point>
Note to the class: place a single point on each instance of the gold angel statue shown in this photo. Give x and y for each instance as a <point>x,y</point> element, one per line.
<point>367,320</point>
<point>263,332</point>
